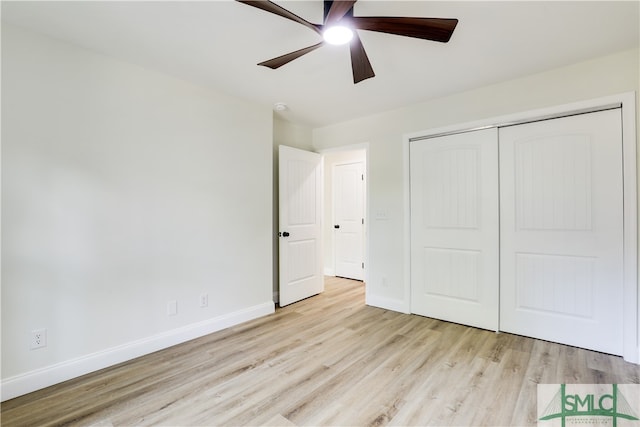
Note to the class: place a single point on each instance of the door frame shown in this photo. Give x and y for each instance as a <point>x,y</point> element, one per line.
<point>627,102</point>
<point>361,146</point>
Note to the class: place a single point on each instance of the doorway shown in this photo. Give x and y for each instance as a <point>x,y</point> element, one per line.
<point>345,212</point>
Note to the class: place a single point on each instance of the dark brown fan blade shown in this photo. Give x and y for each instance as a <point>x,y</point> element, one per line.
<point>284,59</point>
<point>435,29</point>
<point>360,64</point>
<point>278,10</point>
<point>338,9</point>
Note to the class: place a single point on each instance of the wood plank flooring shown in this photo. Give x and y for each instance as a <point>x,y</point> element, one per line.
<point>328,360</point>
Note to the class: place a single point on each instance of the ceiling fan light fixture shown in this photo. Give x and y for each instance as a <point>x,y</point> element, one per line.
<point>340,12</point>
<point>337,35</point>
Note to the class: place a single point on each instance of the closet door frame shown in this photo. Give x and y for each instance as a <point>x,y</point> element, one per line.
<point>627,103</point>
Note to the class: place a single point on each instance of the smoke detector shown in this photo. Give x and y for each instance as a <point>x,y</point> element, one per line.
<point>280,106</point>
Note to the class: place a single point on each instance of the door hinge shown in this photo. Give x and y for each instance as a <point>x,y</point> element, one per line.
<point>362,221</point>
<point>363,265</point>
<point>363,177</point>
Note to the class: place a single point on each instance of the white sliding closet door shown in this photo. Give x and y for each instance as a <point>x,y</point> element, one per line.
<point>454,228</point>
<point>562,231</point>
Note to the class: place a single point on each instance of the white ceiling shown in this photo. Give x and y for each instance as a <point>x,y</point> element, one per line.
<point>219,43</point>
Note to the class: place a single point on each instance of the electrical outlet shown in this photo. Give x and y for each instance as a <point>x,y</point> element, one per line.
<point>172,308</point>
<point>38,338</point>
<point>204,300</point>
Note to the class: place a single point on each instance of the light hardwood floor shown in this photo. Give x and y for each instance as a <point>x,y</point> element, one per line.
<point>327,360</point>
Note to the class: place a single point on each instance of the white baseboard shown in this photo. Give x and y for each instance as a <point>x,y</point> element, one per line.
<point>400,306</point>
<point>54,374</point>
<point>329,271</point>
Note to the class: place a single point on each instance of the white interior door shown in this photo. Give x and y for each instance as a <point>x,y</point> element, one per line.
<point>348,205</point>
<point>454,228</point>
<point>561,230</point>
<point>300,186</point>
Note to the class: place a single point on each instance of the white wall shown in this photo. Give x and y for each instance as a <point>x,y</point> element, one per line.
<point>122,189</point>
<point>384,132</point>
<point>331,159</point>
<point>291,135</point>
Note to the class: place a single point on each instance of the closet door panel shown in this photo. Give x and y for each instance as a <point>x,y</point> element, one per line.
<point>561,230</point>
<point>454,228</point>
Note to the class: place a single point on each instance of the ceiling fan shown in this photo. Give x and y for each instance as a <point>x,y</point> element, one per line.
<point>339,21</point>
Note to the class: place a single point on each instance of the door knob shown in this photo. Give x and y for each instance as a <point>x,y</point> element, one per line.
<point>285,234</point>
<point>336,226</point>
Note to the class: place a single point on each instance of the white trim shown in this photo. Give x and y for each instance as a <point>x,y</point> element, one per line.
<point>387,303</point>
<point>350,147</point>
<point>367,222</point>
<point>631,322</point>
<point>631,319</point>
<point>50,375</point>
<point>406,178</point>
